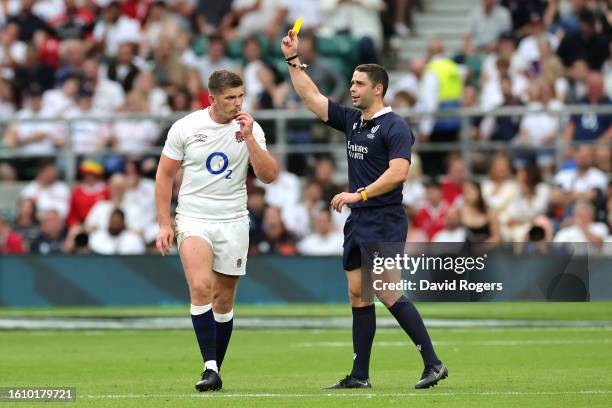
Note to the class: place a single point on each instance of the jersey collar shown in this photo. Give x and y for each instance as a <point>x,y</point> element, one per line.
<point>381,112</point>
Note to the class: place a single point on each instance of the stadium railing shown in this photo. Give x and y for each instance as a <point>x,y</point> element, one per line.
<point>283,118</point>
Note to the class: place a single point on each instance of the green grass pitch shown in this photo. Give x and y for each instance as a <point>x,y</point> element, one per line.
<point>492,367</point>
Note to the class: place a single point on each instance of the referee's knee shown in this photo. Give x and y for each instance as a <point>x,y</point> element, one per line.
<point>356,299</point>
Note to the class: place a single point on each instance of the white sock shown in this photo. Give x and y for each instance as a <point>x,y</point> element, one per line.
<point>223,317</point>
<point>211,365</point>
<point>200,310</point>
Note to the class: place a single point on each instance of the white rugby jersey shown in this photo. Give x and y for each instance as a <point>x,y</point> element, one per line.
<point>214,165</point>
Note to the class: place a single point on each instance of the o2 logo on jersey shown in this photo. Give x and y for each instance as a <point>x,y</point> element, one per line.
<point>217,163</point>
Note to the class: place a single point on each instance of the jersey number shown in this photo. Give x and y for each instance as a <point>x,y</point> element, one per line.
<point>217,163</point>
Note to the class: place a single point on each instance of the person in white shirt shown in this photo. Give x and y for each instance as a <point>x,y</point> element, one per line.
<point>584,182</point>
<point>583,228</point>
<point>116,239</point>
<point>108,95</point>
<point>486,22</point>
<point>114,29</point>
<point>48,192</point>
<point>214,60</point>
<point>453,230</point>
<point>499,189</point>
<point>134,135</point>
<point>297,217</point>
<point>56,102</point>
<point>323,240</point>
<point>34,138</point>
<point>214,147</point>
<point>12,51</point>
<point>284,191</point>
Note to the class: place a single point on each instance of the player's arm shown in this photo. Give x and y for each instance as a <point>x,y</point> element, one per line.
<point>303,85</point>
<point>264,165</point>
<point>166,171</point>
<point>391,179</point>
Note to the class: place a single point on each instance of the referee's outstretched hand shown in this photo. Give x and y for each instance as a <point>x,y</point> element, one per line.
<point>289,45</point>
<point>344,198</point>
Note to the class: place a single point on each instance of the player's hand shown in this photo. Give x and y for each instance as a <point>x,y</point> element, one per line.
<point>245,120</point>
<point>289,45</point>
<point>165,239</point>
<point>344,198</point>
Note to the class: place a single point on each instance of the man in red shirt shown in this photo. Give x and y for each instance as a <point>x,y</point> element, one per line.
<point>10,241</point>
<point>91,190</point>
<point>432,216</point>
<point>452,185</point>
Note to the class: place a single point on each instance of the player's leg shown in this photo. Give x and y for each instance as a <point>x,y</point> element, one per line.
<point>197,256</point>
<point>224,293</point>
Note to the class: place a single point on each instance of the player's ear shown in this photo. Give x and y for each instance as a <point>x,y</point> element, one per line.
<point>211,99</point>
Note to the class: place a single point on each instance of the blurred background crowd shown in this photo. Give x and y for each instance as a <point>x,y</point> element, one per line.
<point>142,61</point>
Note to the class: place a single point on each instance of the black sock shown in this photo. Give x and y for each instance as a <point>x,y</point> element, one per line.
<point>225,324</point>
<point>409,318</point>
<point>205,330</point>
<point>364,328</point>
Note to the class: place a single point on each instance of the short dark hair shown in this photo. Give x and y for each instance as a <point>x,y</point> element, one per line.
<point>222,79</point>
<point>376,74</point>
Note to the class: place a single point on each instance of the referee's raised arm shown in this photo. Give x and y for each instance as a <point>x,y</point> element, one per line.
<point>305,88</point>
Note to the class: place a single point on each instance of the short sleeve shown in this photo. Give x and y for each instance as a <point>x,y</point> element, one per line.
<point>259,136</point>
<point>399,141</point>
<point>336,116</point>
<point>174,147</point>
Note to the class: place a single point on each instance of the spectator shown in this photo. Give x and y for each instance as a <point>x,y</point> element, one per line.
<point>415,234</point>
<point>52,234</point>
<point>529,204</point>
<point>324,173</point>
<point>214,60</point>
<point>254,17</point>
<point>499,189</point>
<point>139,189</point>
<point>539,129</point>
<point>33,138</point>
<point>323,240</point>
<point>114,29</point>
<point>529,47</point>
<point>276,239</point>
<point>582,183</point>
<point>116,239</point>
<point>108,95</point>
<point>48,192</point>
<point>77,241</point>
<point>210,14</point>
<point>12,51</point>
<point>161,24</point>
<point>256,204</point>
<point>297,218</point>
<point>76,22</point>
<point>453,230</point>
<point>26,223</point>
<point>442,88</point>
<point>585,44</point>
<point>253,74</point>
<point>87,135</point>
<point>56,102</point>
<point>7,99</point>
<point>157,100</point>
<point>28,22</point>
<point>10,241</point>
<point>521,12</point>
<point>284,191</point>
<point>481,224</point>
<point>87,193</point>
<point>134,135</point>
<point>360,19</point>
<point>583,227</point>
<point>502,128</point>
<point>589,126</point>
<point>123,68</point>
<point>410,82</point>
<point>452,184</point>
<point>167,67</point>
<point>486,22</point>
<point>72,57</point>
<point>431,217</point>
<point>413,191</point>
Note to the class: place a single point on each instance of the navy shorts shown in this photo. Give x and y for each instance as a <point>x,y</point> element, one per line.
<point>369,225</point>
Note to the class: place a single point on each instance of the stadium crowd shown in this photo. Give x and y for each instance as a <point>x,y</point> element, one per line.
<point>79,58</point>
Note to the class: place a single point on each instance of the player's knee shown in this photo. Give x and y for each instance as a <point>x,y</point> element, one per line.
<point>201,293</point>
<point>223,301</point>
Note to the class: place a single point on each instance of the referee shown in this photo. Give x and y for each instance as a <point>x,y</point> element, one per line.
<point>378,152</point>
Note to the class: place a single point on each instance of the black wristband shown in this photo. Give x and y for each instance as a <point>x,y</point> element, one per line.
<point>291,58</point>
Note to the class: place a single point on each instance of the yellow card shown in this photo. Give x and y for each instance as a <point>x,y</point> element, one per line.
<point>296,27</point>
